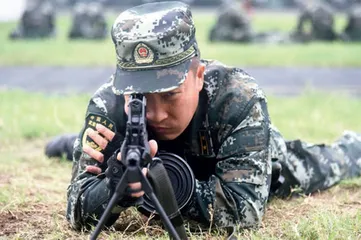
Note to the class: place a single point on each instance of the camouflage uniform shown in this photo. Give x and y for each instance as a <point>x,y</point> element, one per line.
<point>320,16</point>
<point>352,31</point>
<point>316,167</point>
<point>89,21</point>
<point>229,144</point>
<point>236,183</point>
<point>37,21</point>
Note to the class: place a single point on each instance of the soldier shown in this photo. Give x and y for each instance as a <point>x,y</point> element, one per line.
<point>37,21</point>
<point>352,31</point>
<point>89,21</point>
<point>233,24</point>
<point>316,22</point>
<point>213,116</point>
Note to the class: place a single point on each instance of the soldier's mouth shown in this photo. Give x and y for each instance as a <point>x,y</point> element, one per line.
<point>160,129</point>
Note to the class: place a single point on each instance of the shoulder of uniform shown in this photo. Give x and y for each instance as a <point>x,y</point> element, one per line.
<point>106,108</point>
<point>231,93</point>
<point>106,100</point>
<point>220,79</point>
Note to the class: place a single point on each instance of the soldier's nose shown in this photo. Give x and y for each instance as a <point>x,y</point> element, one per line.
<point>156,115</point>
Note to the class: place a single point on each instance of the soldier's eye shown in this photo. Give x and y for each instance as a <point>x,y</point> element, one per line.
<point>169,95</point>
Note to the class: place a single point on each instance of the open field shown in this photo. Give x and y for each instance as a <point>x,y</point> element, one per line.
<point>61,51</point>
<point>33,188</point>
<point>313,116</point>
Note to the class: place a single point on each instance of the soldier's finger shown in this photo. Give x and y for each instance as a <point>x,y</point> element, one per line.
<point>102,142</point>
<point>153,145</point>
<point>93,169</point>
<point>136,186</point>
<point>93,153</point>
<point>106,132</point>
<point>138,194</point>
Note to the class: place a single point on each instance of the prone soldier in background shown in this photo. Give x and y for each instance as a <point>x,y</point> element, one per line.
<point>37,21</point>
<point>89,21</point>
<point>316,22</point>
<point>233,24</point>
<point>212,116</point>
<point>352,31</point>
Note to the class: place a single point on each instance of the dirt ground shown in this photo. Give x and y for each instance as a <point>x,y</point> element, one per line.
<point>35,187</point>
<point>42,221</point>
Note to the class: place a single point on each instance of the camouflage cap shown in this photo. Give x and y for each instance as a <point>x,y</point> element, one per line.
<point>154,45</point>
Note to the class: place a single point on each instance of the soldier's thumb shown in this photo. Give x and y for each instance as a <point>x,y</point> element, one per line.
<point>153,145</point>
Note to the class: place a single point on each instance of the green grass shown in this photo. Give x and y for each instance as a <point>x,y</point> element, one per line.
<point>33,188</point>
<point>315,116</point>
<point>30,116</point>
<point>61,51</point>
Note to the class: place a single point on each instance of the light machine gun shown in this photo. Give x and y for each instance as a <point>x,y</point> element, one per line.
<point>135,155</point>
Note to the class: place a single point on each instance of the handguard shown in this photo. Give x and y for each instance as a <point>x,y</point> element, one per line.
<point>180,175</point>
<point>113,175</point>
<point>114,172</point>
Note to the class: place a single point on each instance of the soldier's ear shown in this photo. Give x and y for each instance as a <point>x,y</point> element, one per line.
<point>200,76</point>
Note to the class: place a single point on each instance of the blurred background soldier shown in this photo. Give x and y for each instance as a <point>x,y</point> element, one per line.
<point>352,30</point>
<point>233,23</point>
<point>315,22</point>
<point>37,21</point>
<point>89,21</point>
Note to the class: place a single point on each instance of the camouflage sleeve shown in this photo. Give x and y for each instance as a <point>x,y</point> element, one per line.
<point>87,193</point>
<point>238,191</point>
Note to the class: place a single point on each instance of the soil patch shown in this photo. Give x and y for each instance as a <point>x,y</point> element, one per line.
<point>36,218</point>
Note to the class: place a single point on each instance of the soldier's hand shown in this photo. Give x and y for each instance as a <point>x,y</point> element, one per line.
<point>137,186</point>
<point>102,143</point>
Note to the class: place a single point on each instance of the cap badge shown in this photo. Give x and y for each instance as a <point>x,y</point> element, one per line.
<point>143,54</point>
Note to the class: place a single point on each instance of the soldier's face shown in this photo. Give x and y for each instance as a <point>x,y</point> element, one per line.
<point>169,113</point>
